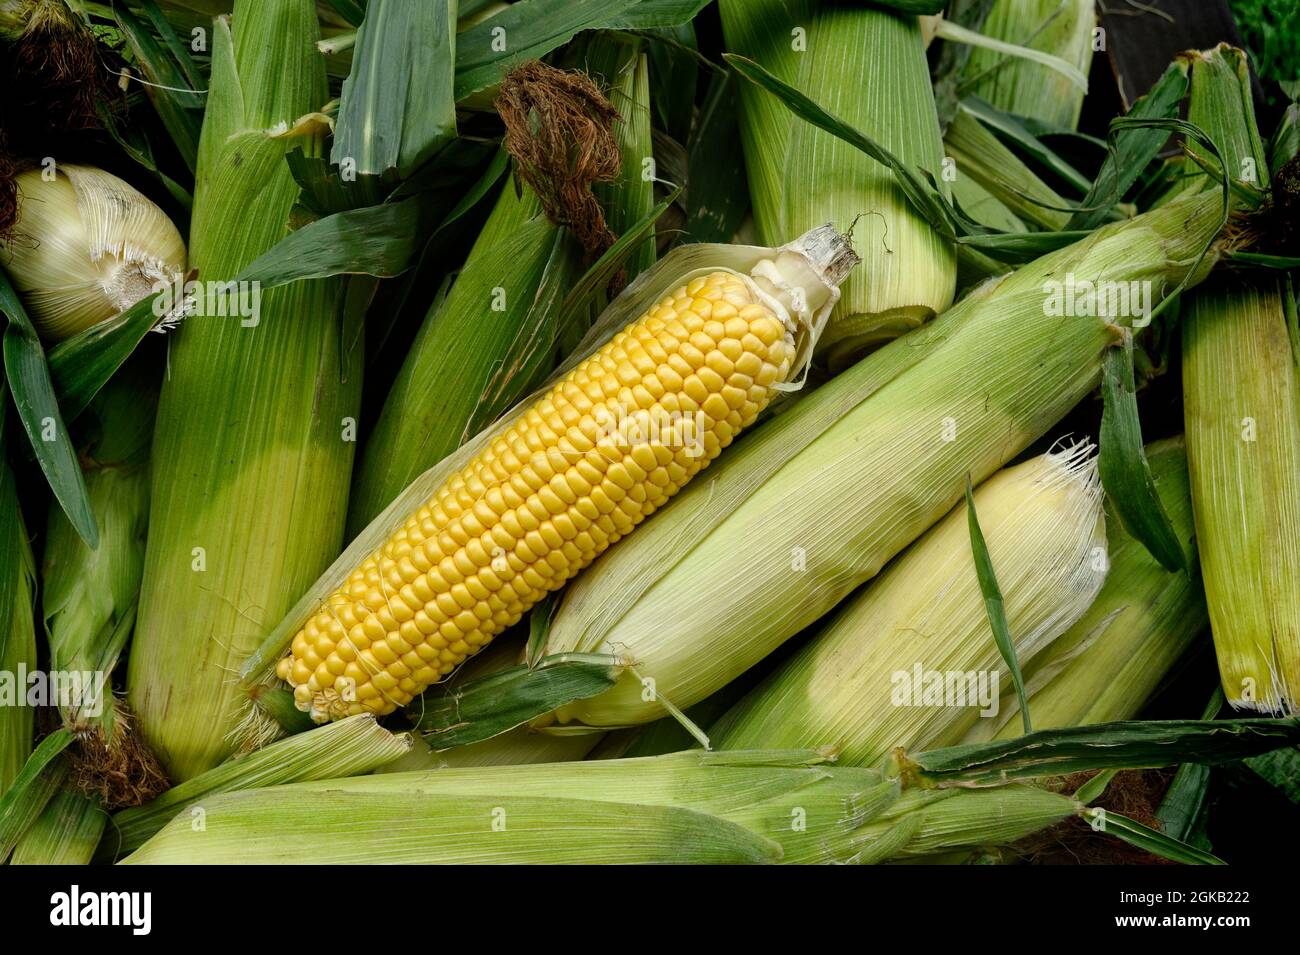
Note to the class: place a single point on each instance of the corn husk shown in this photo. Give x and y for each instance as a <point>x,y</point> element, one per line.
<point>252,456</point>
<point>863,685</point>
<point>1107,665</point>
<point>1062,28</point>
<point>66,832</point>
<point>90,596</point>
<point>814,502</point>
<point>18,656</point>
<point>1241,406</point>
<point>981,156</point>
<point>86,246</point>
<point>800,176</point>
<point>682,808</point>
<point>353,746</point>
<point>519,746</point>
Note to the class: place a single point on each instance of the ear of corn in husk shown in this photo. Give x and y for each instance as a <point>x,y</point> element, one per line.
<point>86,246</point>
<point>17,596</point>
<point>66,833</point>
<point>463,371</point>
<point>353,746</point>
<point>1108,664</point>
<point>1241,404</point>
<point>251,455</point>
<point>1063,28</point>
<point>90,596</point>
<point>818,499</point>
<point>709,336</point>
<point>685,807</point>
<point>911,661</point>
<point>800,176</point>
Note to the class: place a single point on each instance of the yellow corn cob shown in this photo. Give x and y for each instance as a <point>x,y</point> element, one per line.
<point>548,495</point>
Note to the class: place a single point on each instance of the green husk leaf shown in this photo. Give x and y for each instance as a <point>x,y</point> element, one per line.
<point>1184,800</point>
<point>38,409</point>
<point>274,826</point>
<point>533,28</point>
<point>376,240</point>
<point>81,365</point>
<point>66,833</point>
<point>1125,745</point>
<point>456,715</point>
<point>398,107</point>
<point>24,801</point>
<point>1128,155</point>
<point>1281,769</point>
<point>994,604</point>
<point>927,201</point>
<point>1157,843</point>
<point>1125,473</point>
<point>1015,129</point>
<point>169,88</point>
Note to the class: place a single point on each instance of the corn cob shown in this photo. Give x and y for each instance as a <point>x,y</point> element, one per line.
<point>685,807</point>
<point>857,686</point>
<point>251,452</point>
<point>800,176</point>
<point>556,487</point>
<point>1241,406</point>
<point>1108,664</point>
<point>739,563</point>
<point>1063,28</point>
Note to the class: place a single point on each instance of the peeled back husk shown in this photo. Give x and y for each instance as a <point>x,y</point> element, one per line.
<point>911,661</point>
<point>818,499</point>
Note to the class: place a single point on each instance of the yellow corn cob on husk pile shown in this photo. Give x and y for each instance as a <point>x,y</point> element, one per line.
<point>789,807</point>
<point>1113,659</point>
<point>863,685</point>
<point>817,500</point>
<point>555,488</point>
